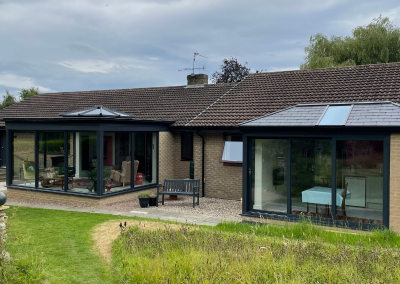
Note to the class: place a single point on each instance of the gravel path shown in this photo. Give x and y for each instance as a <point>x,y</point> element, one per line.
<point>215,207</point>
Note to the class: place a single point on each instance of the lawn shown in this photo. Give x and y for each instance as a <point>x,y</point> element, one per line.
<point>57,245</point>
<point>52,246</point>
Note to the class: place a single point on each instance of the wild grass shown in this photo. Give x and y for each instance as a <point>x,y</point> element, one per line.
<point>306,230</point>
<point>210,256</point>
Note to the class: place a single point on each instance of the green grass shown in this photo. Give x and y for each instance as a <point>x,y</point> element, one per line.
<point>56,246</point>
<point>212,256</point>
<point>53,246</point>
<point>308,231</point>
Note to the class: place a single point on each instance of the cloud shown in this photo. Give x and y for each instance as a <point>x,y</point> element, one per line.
<point>14,81</point>
<point>90,66</point>
<point>103,66</point>
<point>73,45</point>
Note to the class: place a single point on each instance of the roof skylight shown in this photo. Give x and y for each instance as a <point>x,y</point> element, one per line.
<point>335,115</point>
<point>97,111</point>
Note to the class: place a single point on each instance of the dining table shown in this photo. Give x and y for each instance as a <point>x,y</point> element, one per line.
<point>323,195</point>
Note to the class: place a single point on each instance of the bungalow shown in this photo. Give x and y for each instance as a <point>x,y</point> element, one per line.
<point>323,142</point>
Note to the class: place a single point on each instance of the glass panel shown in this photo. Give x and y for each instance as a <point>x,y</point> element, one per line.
<point>359,169</point>
<point>233,152</point>
<point>335,115</point>
<point>23,159</point>
<point>145,158</point>
<point>311,168</point>
<point>51,160</point>
<point>117,161</point>
<point>268,175</point>
<point>82,162</point>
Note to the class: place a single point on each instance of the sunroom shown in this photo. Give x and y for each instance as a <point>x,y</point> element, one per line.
<point>95,152</point>
<point>327,161</point>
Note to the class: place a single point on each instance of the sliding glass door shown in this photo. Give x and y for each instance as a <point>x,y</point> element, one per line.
<point>324,176</point>
<point>311,169</point>
<point>269,174</point>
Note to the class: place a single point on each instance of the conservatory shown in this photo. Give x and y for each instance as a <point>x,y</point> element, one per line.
<point>94,152</point>
<point>327,161</point>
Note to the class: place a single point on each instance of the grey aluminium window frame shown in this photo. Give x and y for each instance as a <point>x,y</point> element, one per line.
<point>98,126</point>
<point>247,168</point>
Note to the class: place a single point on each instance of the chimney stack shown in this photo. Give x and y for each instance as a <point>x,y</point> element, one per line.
<point>197,79</point>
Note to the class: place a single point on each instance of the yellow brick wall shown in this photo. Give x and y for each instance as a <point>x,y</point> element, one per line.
<point>166,152</point>
<point>220,181</point>
<point>394,197</point>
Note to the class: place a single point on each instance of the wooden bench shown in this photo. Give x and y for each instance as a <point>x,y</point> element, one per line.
<point>189,187</point>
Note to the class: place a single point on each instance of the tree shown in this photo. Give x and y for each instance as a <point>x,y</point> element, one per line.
<point>231,71</point>
<point>378,42</point>
<point>8,100</point>
<point>27,93</point>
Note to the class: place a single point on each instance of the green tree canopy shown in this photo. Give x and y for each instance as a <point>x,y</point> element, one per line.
<point>8,100</point>
<point>378,42</point>
<point>27,93</point>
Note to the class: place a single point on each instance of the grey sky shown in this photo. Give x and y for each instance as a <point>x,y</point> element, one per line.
<point>74,45</point>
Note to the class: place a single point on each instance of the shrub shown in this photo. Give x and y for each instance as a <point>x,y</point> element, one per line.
<point>144,194</point>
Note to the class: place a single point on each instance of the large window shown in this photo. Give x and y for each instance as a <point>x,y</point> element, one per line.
<point>269,174</point>
<point>187,146</point>
<point>23,158</point>
<point>51,160</point>
<point>359,178</point>
<point>359,174</point>
<point>69,161</point>
<point>146,158</point>
<point>118,161</point>
<point>311,170</point>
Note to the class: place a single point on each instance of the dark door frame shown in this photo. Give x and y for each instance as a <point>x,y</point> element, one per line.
<point>247,166</point>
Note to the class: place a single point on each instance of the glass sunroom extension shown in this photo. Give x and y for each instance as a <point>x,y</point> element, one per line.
<point>98,154</point>
<point>333,173</point>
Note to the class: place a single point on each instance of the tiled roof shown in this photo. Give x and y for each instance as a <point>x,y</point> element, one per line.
<point>228,105</point>
<point>261,94</point>
<point>359,114</point>
<point>294,116</point>
<point>178,104</point>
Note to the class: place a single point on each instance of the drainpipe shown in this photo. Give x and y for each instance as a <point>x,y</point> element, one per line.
<point>202,164</point>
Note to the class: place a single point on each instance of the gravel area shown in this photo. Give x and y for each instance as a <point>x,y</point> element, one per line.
<point>214,207</point>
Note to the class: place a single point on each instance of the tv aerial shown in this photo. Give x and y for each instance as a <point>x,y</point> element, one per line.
<point>193,68</point>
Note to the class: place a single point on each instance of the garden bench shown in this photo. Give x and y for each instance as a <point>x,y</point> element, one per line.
<point>189,187</point>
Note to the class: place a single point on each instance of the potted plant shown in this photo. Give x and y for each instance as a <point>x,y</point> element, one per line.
<point>153,200</point>
<point>144,199</point>
<point>93,177</point>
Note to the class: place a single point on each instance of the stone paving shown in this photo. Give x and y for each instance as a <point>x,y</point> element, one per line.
<point>152,213</point>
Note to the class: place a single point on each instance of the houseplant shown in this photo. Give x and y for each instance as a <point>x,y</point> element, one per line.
<point>93,177</point>
<point>144,199</point>
<point>153,200</point>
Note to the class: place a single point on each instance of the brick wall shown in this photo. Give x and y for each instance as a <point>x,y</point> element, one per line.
<point>26,194</point>
<point>394,198</point>
<point>220,181</point>
<point>166,156</point>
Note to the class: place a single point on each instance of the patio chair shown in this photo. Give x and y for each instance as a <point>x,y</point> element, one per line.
<point>29,170</point>
<point>124,175</point>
